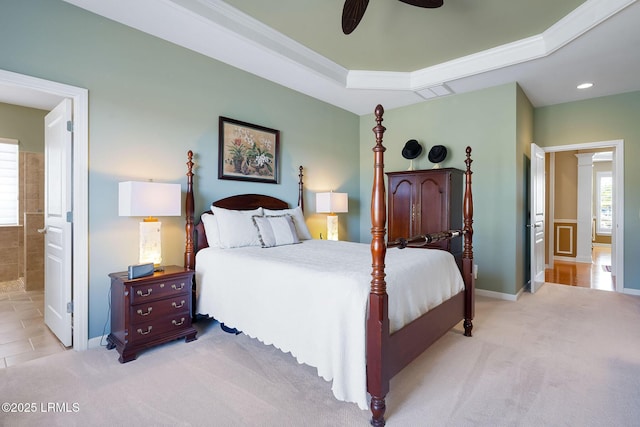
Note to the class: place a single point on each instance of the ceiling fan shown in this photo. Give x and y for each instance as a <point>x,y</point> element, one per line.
<point>353,11</point>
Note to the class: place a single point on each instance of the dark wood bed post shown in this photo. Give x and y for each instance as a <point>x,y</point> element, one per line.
<point>378,320</point>
<point>189,251</point>
<point>300,189</point>
<point>467,254</point>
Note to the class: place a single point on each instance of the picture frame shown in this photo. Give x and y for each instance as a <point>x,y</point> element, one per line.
<point>248,152</point>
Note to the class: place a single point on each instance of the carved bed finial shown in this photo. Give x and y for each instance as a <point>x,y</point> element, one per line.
<point>300,189</point>
<point>379,129</point>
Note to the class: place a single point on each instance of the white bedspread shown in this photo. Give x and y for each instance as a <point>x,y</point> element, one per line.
<point>311,299</point>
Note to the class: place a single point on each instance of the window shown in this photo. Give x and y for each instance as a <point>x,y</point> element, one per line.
<point>604,191</point>
<point>8,181</point>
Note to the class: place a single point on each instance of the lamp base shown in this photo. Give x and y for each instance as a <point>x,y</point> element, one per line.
<point>150,243</point>
<point>332,227</point>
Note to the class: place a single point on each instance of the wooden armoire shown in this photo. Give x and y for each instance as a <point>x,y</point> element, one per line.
<point>426,201</point>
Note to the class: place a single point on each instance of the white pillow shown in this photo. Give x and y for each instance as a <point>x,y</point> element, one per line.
<point>211,229</point>
<point>298,219</point>
<point>235,228</point>
<point>275,230</point>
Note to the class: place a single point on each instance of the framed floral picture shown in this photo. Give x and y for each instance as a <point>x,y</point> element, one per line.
<point>247,152</point>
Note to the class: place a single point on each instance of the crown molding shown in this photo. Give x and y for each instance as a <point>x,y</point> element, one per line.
<point>216,29</point>
<point>256,32</point>
<point>572,26</point>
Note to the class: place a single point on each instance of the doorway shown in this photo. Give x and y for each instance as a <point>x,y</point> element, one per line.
<point>593,275</point>
<point>616,254</point>
<point>34,92</point>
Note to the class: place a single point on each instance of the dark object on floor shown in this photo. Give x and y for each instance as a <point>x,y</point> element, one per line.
<point>230,330</point>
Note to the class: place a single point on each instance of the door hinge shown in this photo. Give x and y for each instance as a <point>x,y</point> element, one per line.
<point>70,126</point>
<point>69,216</point>
<point>70,307</point>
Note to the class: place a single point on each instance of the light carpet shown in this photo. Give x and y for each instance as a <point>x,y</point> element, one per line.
<point>563,357</point>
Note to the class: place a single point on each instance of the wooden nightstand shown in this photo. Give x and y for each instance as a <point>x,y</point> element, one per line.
<point>150,310</point>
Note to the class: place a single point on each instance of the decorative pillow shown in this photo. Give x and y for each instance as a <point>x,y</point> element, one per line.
<point>275,230</point>
<point>235,228</point>
<point>298,219</point>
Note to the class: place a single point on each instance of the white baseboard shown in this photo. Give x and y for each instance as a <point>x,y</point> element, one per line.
<point>499,295</point>
<point>510,297</point>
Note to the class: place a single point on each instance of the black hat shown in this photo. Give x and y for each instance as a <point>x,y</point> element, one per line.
<point>412,149</point>
<point>437,153</point>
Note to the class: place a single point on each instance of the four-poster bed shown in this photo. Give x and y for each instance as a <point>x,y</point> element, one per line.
<point>359,340</point>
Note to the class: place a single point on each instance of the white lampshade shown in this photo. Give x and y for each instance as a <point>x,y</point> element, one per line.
<point>332,202</point>
<point>149,199</point>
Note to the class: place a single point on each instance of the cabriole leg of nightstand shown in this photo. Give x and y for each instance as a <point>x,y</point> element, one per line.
<point>127,356</point>
<point>190,337</point>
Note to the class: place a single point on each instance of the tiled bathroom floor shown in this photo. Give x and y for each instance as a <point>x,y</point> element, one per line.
<point>23,334</point>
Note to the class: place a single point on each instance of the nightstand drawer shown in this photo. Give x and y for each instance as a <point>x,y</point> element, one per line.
<point>149,312</point>
<point>163,328</point>
<point>158,289</point>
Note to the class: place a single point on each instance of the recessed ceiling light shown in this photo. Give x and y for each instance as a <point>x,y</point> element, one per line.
<point>585,85</point>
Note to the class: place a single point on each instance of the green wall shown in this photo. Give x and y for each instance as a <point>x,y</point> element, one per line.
<point>149,102</point>
<point>603,119</point>
<point>24,124</point>
<point>487,121</point>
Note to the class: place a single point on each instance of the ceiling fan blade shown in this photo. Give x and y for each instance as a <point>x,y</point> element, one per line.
<point>424,3</point>
<point>352,13</point>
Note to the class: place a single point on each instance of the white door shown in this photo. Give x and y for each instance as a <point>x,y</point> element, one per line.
<point>537,220</point>
<point>57,222</point>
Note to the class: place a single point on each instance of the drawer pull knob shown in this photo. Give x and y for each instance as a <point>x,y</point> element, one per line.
<point>175,322</point>
<point>175,287</point>
<point>145,295</point>
<point>141,332</point>
<point>176,305</point>
<point>145,314</point>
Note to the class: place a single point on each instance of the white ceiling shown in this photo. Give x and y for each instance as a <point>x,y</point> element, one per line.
<point>598,42</point>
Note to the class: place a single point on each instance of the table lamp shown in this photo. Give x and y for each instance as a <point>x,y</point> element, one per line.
<point>149,200</point>
<point>332,203</point>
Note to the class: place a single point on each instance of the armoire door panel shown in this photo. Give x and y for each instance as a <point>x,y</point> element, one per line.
<point>433,206</point>
<point>401,200</point>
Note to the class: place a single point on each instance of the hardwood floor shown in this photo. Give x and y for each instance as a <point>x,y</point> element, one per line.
<point>582,274</point>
